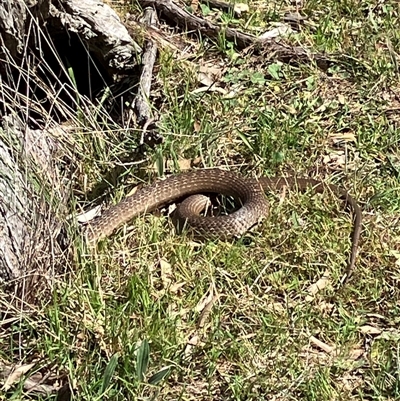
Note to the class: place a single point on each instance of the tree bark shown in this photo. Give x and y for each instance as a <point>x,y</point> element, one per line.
<point>28,221</point>
<point>33,191</point>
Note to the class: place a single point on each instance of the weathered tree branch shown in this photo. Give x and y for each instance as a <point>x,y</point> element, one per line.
<point>193,23</point>
<point>190,22</point>
<point>101,30</point>
<point>148,60</point>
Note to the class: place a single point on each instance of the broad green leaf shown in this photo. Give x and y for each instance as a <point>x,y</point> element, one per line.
<point>205,9</point>
<point>160,375</point>
<point>274,70</point>
<point>257,78</point>
<point>109,372</point>
<point>160,163</point>
<point>142,359</point>
<point>245,141</point>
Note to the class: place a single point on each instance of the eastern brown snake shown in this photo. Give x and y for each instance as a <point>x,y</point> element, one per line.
<point>250,192</point>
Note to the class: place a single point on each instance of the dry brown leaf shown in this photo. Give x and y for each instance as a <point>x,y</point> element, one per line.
<point>325,347</point>
<point>89,215</point>
<point>279,31</point>
<point>197,161</point>
<point>356,353</point>
<point>351,381</point>
<point>376,316</point>
<point>15,375</point>
<point>396,254</point>
<point>366,329</point>
<point>341,99</point>
<point>174,288</point>
<point>209,77</point>
<point>216,72</point>
<point>133,191</point>
<point>325,307</point>
<point>322,283</point>
<point>192,342</point>
<point>166,272</point>
<point>342,137</point>
<point>196,126</point>
<point>206,299</point>
<point>291,110</point>
<point>276,307</point>
<point>206,311</point>
<point>205,79</point>
<point>185,164</point>
<point>195,244</point>
<point>391,335</point>
<point>212,88</point>
<point>240,8</point>
<point>335,158</point>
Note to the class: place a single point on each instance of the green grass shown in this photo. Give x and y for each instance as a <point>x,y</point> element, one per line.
<point>145,283</point>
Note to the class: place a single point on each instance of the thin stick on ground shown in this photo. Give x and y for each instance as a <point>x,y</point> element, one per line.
<point>149,57</point>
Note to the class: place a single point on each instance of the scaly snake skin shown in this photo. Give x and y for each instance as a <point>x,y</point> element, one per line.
<point>250,192</point>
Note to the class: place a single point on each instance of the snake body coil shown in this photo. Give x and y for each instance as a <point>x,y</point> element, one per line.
<point>250,192</point>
